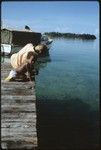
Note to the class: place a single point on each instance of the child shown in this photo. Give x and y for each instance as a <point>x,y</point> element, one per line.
<point>24,68</point>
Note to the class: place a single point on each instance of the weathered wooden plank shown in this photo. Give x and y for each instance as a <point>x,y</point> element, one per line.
<point>16,83</point>
<point>24,141</point>
<point>18,116</point>
<point>27,139</point>
<point>18,99</point>
<point>18,113</point>
<point>15,99</point>
<point>19,124</point>
<point>18,145</point>
<point>18,121</point>
<point>13,84</point>
<point>23,88</point>
<point>22,130</point>
<point>16,92</point>
<point>20,108</point>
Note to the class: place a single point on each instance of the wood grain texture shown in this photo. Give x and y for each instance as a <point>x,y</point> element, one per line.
<point>18,113</point>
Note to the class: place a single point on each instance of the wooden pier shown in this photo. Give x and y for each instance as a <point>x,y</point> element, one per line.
<point>18,113</point>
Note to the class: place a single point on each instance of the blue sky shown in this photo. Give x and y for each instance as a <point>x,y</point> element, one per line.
<point>77,17</point>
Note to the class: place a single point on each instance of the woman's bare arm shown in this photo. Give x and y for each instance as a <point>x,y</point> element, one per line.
<point>28,66</point>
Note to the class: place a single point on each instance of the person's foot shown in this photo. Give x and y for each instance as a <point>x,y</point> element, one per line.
<point>9,78</point>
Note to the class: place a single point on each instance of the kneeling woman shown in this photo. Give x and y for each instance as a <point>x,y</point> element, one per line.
<point>26,67</point>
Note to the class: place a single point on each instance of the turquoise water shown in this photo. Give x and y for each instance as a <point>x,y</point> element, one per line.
<point>67,90</point>
<point>73,72</point>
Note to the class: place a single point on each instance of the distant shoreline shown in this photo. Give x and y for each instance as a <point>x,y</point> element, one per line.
<point>71,35</point>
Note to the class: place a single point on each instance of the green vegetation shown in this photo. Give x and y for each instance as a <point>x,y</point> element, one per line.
<point>71,35</point>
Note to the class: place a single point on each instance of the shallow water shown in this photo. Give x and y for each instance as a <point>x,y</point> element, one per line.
<point>73,72</point>
<point>67,90</point>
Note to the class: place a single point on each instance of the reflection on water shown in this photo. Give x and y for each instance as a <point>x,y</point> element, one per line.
<point>67,89</point>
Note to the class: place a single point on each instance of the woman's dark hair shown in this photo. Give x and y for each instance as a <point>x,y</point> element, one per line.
<point>32,54</point>
<point>43,47</point>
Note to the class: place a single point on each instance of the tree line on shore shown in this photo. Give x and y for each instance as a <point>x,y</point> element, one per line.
<point>71,35</point>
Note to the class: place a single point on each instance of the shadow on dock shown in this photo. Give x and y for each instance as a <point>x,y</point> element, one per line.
<point>66,124</point>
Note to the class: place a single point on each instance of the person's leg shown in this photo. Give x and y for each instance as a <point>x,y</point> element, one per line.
<point>21,72</point>
<point>12,75</point>
<point>23,77</point>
